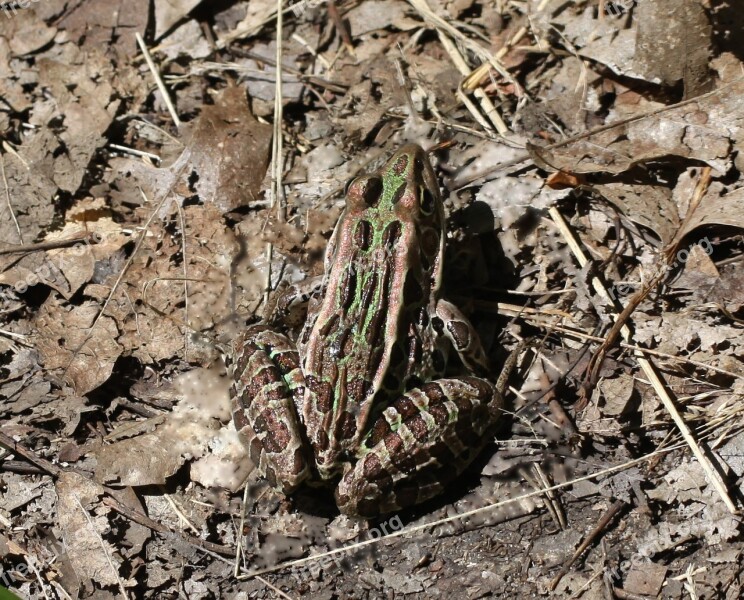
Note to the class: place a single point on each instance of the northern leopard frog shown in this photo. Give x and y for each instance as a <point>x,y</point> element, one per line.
<point>361,396</point>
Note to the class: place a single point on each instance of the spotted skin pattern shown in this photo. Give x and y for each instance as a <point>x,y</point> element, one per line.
<point>361,396</point>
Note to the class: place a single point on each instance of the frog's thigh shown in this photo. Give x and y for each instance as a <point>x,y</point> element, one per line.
<point>267,382</point>
<point>420,443</point>
<point>464,338</point>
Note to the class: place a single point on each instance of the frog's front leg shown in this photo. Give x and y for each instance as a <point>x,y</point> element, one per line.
<point>420,443</point>
<point>267,389</point>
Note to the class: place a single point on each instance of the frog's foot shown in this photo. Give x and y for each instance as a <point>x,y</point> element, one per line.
<point>267,386</point>
<point>420,443</point>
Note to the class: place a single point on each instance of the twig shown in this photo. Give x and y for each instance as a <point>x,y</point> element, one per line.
<point>311,79</point>
<point>30,562</point>
<point>16,448</point>
<point>593,338</point>
<point>158,80</point>
<point>178,510</point>
<point>185,262</point>
<point>88,238</point>
<point>340,26</point>
<point>588,540</point>
<point>480,94</point>
<point>135,152</point>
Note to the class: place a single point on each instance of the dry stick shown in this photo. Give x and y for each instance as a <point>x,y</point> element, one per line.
<point>135,152</point>
<point>439,23</point>
<point>480,94</point>
<point>276,190</point>
<point>455,184</point>
<point>478,74</point>
<point>30,562</point>
<point>143,519</point>
<point>103,547</point>
<point>650,370</point>
<point>269,585</point>
<point>253,26</point>
<point>88,238</point>
<point>535,316</point>
<point>340,26</point>
<point>158,80</point>
<point>469,513</point>
<point>603,522</point>
<point>8,442</point>
<point>46,466</point>
<point>485,102</point>
<point>7,199</point>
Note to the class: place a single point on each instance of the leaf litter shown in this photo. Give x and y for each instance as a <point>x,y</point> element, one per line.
<point>133,249</point>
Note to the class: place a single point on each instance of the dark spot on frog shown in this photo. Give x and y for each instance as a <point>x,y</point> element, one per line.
<point>398,194</point>
<point>418,428</point>
<point>401,164</point>
<point>363,235</point>
<point>391,234</point>
<point>413,293</point>
<point>323,394</point>
<point>372,191</point>
<point>346,426</point>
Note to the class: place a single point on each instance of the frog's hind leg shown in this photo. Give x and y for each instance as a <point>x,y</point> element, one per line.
<point>420,443</point>
<point>267,386</point>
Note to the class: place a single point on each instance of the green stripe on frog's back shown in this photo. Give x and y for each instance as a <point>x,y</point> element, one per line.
<point>384,277</point>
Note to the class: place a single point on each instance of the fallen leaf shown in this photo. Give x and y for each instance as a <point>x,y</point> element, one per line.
<point>92,556</point>
<point>82,355</point>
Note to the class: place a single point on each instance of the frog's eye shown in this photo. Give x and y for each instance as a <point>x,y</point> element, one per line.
<point>427,201</point>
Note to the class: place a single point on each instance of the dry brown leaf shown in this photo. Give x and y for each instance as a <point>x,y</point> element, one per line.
<point>84,357</point>
<point>103,25</point>
<point>645,579</point>
<point>230,151</point>
<point>225,138</point>
<point>705,130</point>
<point>25,32</point>
<point>649,205</point>
<point>718,208</point>
<point>85,546</point>
<point>191,431</point>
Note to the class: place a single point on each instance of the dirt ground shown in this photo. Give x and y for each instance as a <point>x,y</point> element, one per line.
<point>155,198</point>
